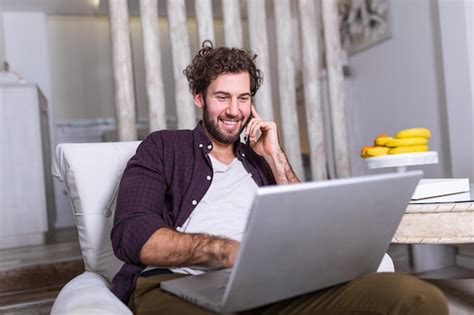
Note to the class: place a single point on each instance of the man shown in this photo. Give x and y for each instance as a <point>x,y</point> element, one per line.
<point>184,199</point>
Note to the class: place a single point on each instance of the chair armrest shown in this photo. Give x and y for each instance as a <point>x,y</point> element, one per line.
<point>88,293</point>
<point>386,265</point>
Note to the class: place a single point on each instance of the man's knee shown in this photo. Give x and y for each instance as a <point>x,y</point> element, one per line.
<point>408,294</point>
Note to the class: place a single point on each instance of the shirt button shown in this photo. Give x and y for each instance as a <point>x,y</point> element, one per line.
<point>194,202</point>
<point>200,145</point>
<point>209,147</point>
<point>208,177</point>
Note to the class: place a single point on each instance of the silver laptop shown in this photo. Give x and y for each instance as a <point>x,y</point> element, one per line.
<point>304,237</point>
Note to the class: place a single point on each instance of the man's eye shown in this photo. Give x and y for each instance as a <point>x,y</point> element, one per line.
<point>244,99</point>
<point>221,98</point>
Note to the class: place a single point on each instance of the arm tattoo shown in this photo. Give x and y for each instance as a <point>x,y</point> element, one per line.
<point>282,170</point>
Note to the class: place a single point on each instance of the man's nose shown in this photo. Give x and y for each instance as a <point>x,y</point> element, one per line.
<point>233,108</point>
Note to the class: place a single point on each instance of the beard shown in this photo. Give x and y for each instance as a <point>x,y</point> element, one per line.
<point>216,133</point>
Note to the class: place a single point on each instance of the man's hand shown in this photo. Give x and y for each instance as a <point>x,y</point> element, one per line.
<point>268,146</point>
<point>229,253</point>
<point>169,248</point>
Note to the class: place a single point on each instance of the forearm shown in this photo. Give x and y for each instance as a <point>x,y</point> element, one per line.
<point>167,247</point>
<point>281,168</point>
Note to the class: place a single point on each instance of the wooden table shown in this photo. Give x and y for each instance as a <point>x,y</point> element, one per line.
<point>445,223</point>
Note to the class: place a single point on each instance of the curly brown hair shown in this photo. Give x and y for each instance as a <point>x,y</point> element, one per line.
<point>211,62</point>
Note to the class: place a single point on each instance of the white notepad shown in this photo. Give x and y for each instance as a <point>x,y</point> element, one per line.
<point>434,187</point>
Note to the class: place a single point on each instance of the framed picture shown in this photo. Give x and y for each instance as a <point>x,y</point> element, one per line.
<point>363,23</point>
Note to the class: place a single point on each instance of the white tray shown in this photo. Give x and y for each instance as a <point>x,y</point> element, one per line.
<point>402,160</point>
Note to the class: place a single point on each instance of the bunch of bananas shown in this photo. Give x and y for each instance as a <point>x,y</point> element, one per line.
<point>405,141</point>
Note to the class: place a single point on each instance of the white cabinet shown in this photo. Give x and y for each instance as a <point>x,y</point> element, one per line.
<point>25,181</point>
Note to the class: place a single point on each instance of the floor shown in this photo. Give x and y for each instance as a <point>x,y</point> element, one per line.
<point>33,276</point>
<point>460,294</point>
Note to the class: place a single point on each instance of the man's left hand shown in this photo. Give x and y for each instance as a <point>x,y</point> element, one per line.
<point>267,145</point>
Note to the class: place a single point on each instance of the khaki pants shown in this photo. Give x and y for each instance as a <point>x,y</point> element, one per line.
<point>375,293</point>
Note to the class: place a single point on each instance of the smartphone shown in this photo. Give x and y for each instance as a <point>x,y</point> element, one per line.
<point>247,138</point>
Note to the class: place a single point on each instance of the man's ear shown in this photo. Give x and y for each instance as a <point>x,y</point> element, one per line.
<point>199,100</point>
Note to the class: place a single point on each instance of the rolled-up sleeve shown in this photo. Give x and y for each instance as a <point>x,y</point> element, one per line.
<point>140,201</point>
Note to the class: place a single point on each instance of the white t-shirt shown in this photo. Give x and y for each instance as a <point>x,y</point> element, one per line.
<point>224,209</point>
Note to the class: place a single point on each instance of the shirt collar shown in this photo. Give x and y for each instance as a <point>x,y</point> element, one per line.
<point>202,141</point>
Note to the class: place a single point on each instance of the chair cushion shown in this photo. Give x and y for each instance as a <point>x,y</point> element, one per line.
<point>91,173</point>
<point>88,293</point>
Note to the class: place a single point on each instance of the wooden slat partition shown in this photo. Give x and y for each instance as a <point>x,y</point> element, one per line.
<point>336,87</point>
<point>232,23</point>
<point>286,86</point>
<point>152,56</point>
<point>185,111</point>
<point>257,20</point>
<point>205,20</point>
<point>310,26</point>
<point>310,23</point>
<point>122,65</point>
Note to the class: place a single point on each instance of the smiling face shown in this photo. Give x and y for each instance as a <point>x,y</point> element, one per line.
<point>226,106</point>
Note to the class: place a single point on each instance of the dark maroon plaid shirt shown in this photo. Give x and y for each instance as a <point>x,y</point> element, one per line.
<point>160,187</point>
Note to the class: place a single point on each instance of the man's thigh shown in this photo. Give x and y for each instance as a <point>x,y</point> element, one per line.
<point>376,293</point>
<point>148,298</point>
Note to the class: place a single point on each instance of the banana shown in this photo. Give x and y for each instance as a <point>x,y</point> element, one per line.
<point>405,142</point>
<point>363,151</point>
<point>377,151</point>
<point>382,140</point>
<point>414,132</point>
<point>409,149</point>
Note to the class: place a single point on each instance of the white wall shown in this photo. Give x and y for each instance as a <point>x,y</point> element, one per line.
<point>26,49</point>
<point>2,50</point>
<point>469,15</point>
<point>457,60</point>
<point>81,68</point>
<point>470,46</point>
<point>398,84</point>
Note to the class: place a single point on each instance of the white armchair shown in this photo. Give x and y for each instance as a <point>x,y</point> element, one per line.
<point>91,173</point>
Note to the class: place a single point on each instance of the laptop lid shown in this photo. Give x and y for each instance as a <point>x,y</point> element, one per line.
<point>304,237</point>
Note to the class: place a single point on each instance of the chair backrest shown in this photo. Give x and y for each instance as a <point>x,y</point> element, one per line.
<point>91,173</point>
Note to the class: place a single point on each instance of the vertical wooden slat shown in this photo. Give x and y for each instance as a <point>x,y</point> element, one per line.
<point>152,56</point>
<point>205,20</point>
<point>232,23</point>
<point>181,58</point>
<point>259,44</point>
<point>336,87</point>
<point>286,86</point>
<point>2,47</point>
<point>122,65</point>
<point>312,87</point>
